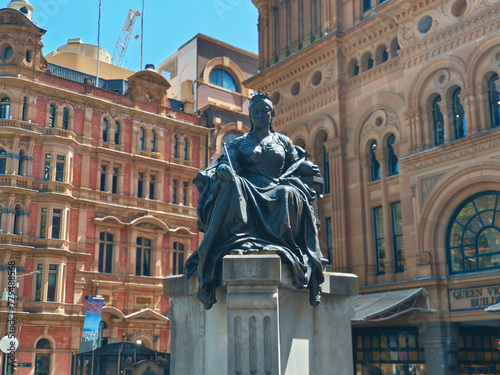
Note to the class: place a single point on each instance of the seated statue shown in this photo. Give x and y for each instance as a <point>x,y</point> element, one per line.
<point>258,197</point>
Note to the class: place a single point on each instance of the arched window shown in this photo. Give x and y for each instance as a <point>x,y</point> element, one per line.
<point>458,115</point>
<point>20,169</point>
<point>142,137</point>
<point>494,99</point>
<point>7,53</point>
<point>229,137</point>
<point>42,359</point>
<point>178,259</point>
<point>52,115</point>
<point>5,107</point>
<point>393,159</point>
<point>375,165</point>
<point>106,252</point>
<point>326,168</point>
<point>65,121</point>
<point>105,129</point>
<point>3,161</point>
<point>222,78</point>
<point>153,141</point>
<point>176,147</point>
<point>25,109</point>
<point>186,149</point>
<point>117,133</point>
<point>438,121</point>
<point>473,236</point>
<point>143,257</point>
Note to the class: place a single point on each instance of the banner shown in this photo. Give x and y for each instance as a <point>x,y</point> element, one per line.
<point>93,314</point>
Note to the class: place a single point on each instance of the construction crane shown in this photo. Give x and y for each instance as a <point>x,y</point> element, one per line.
<point>122,44</point>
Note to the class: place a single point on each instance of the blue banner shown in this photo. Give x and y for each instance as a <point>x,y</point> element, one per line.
<point>93,314</point>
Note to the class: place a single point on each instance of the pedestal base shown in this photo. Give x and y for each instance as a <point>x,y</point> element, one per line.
<point>261,324</point>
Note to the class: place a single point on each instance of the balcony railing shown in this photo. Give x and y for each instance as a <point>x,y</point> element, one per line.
<point>19,124</point>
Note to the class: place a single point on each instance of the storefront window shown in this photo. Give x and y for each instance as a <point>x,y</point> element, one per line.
<point>388,351</point>
<point>478,351</point>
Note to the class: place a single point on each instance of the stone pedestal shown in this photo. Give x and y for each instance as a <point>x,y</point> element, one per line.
<point>261,324</point>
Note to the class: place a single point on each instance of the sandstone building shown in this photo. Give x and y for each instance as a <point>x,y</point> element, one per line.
<point>398,102</point>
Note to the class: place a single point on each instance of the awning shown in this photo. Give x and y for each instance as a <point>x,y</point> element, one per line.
<point>493,308</point>
<point>377,307</point>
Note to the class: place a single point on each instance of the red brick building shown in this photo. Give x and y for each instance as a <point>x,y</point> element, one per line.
<point>95,198</point>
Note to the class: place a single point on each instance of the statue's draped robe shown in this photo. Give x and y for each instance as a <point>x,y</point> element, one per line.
<point>265,208</point>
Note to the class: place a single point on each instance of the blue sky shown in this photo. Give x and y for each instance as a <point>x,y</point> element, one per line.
<point>168,24</point>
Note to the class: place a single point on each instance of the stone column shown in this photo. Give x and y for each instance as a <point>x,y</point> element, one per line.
<point>261,323</point>
<point>466,98</point>
<point>482,100</point>
<point>449,132</point>
<point>440,341</point>
<point>426,114</point>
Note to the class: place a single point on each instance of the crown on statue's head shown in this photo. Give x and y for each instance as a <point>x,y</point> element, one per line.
<point>261,95</point>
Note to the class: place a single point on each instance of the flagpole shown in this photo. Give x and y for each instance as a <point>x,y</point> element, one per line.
<point>142,37</point>
<point>98,42</point>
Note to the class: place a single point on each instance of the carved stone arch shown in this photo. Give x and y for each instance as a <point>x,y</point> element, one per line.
<point>300,132</point>
<point>476,65</point>
<point>323,122</point>
<point>108,221</point>
<point>149,223</point>
<point>236,127</point>
<point>386,132</point>
<point>417,93</point>
<point>47,337</point>
<point>368,110</point>
<point>367,142</point>
<point>111,310</point>
<point>448,193</point>
<point>230,65</point>
<point>182,231</point>
<point>147,342</point>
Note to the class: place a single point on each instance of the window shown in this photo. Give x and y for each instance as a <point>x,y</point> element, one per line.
<point>152,180</point>
<point>17,220</point>
<point>102,186</point>
<point>397,233</point>
<point>186,149</point>
<point>52,115</point>
<point>494,99</point>
<point>326,170</point>
<point>178,259</point>
<point>105,129</point>
<point>140,186</point>
<point>222,78</point>
<point>3,161</point>
<point>52,281</point>
<point>393,159</point>
<point>176,147</point>
<point>458,115</point>
<point>43,223</point>
<point>7,53</point>
<point>375,165</point>
<point>46,173</point>
<point>438,122</point>
<point>59,168</point>
<point>117,133</point>
<point>174,191</point>
<point>143,257</point>
<point>105,252</point>
<point>229,137</point>
<point>114,181</point>
<point>38,287</point>
<point>28,52</point>
<point>153,141</point>
<point>367,5</point>
<point>25,109</point>
<point>388,351</point>
<point>378,221</point>
<point>56,223</point>
<point>20,167</point>
<point>42,359</point>
<point>65,121</point>
<point>329,247</point>
<point>184,193</point>
<point>473,236</point>
<point>142,136</point>
<point>478,350</point>
<point>5,107</point>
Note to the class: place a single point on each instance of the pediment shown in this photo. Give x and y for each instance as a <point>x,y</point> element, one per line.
<point>147,314</point>
<point>148,77</point>
<point>16,18</point>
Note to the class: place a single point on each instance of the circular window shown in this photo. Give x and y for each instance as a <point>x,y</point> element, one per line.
<point>458,8</point>
<point>425,24</point>
<point>276,97</point>
<point>473,238</point>
<point>316,78</point>
<point>295,89</point>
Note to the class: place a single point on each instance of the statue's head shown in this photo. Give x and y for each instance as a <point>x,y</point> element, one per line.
<point>265,98</point>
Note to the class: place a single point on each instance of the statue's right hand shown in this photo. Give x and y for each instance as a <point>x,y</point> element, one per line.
<point>224,172</point>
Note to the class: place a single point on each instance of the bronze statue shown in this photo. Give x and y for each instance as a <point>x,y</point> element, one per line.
<point>258,197</point>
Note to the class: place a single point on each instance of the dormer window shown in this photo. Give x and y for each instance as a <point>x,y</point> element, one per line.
<point>222,78</point>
